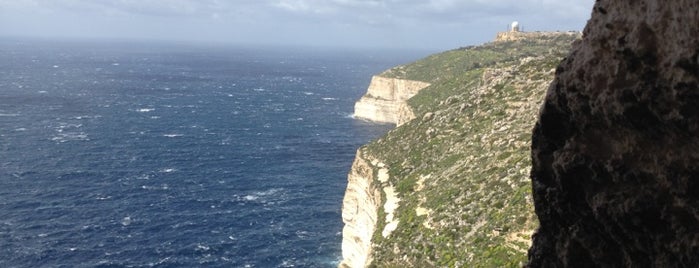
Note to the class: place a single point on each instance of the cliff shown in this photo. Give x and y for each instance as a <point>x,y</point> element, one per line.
<point>450,188</point>
<point>615,150</point>
<point>360,211</point>
<point>385,100</point>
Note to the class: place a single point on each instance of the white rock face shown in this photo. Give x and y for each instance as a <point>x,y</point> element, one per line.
<point>385,100</point>
<point>359,212</point>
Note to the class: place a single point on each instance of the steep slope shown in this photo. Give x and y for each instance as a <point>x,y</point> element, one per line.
<point>615,151</point>
<point>450,188</point>
<point>386,100</point>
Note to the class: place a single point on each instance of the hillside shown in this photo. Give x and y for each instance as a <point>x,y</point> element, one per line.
<point>451,188</point>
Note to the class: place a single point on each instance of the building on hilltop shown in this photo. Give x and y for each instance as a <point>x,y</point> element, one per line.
<point>514,27</point>
<point>516,32</point>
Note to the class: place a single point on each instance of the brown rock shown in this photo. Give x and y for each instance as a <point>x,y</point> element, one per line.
<point>616,150</point>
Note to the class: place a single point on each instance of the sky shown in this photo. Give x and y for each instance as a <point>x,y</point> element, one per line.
<point>407,24</point>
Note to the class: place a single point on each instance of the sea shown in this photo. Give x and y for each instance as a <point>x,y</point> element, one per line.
<point>128,154</point>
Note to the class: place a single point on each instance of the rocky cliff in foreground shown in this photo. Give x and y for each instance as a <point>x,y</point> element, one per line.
<point>450,188</point>
<point>616,149</point>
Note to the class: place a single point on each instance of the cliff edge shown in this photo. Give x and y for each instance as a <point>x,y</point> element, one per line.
<point>360,211</point>
<point>615,150</point>
<point>385,100</point>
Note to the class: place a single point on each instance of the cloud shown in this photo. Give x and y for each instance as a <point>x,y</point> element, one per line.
<point>313,21</point>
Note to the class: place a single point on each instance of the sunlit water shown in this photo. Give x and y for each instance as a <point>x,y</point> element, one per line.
<point>135,155</point>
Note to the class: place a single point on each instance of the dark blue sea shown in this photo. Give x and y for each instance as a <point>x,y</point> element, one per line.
<point>164,155</point>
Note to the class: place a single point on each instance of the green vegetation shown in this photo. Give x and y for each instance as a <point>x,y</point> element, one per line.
<point>467,164</point>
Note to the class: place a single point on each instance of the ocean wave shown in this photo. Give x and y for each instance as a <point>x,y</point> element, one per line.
<point>271,196</point>
<point>70,136</point>
<point>81,117</point>
<point>160,187</point>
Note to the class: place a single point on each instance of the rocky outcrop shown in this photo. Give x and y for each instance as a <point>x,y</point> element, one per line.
<point>360,211</point>
<point>516,36</point>
<point>615,151</point>
<point>385,100</point>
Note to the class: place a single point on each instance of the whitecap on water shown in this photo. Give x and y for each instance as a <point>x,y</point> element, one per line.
<point>145,110</point>
<point>302,234</point>
<point>81,117</point>
<point>172,135</point>
<point>161,187</point>
<point>70,136</point>
<point>267,197</point>
<point>143,177</point>
<point>168,170</point>
<point>126,221</point>
<point>160,262</point>
<point>329,99</point>
<point>288,263</point>
<point>202,247</point>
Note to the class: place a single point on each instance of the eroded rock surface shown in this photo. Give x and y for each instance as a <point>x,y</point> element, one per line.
<point>360,211</point>
<point>616,149</point>
<point>385,100</point>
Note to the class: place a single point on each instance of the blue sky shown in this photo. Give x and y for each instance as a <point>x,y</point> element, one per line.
<point>410,24</point>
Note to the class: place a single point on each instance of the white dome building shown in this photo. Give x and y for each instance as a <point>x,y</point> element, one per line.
<point>514,27</point>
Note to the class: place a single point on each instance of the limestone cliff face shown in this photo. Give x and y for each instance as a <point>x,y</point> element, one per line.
<point>359,212</point>
<point>616,149</point>
<point>384,99</point>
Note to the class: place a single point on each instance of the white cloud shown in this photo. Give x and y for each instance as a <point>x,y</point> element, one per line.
<point>304,6</point>
<point>416,22</point>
